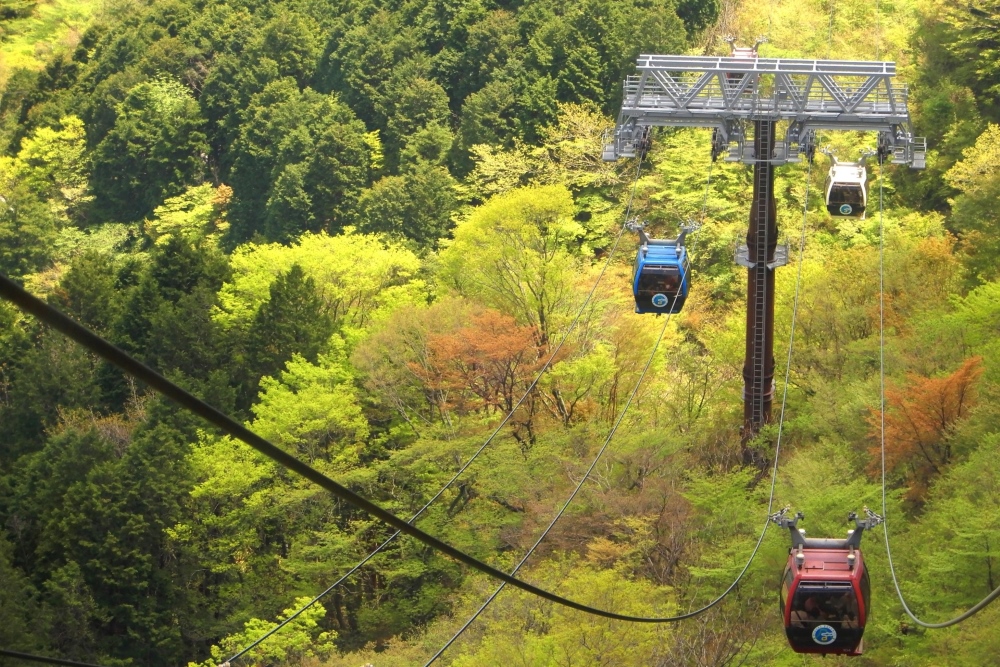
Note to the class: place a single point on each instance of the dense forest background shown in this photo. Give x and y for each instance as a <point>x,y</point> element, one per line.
<point>362,226</point>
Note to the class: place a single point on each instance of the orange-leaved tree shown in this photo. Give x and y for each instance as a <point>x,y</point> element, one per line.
<point>919,420</point>
<point>486,365</point>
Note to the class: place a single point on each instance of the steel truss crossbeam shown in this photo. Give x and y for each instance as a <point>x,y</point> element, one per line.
<point>726,93</point>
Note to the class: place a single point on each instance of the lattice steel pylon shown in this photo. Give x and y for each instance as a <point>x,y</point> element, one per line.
<point>733,94</point>
<point>726,93</point>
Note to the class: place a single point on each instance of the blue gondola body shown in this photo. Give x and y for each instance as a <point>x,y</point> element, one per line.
<point>661,278</point>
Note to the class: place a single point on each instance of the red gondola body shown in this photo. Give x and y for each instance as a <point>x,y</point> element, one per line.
<point>825,592</point>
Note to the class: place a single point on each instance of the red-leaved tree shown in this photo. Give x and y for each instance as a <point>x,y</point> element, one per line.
<point>918,423</point>
<point>486,365</point>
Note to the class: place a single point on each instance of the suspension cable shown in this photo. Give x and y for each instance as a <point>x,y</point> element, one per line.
<point>31,657</point>
<point>611,434</point>
<point>995,593</point>
<point>45,313</point>
<point>576,490</point>
<point>614,248</point>
<point>881,365</point>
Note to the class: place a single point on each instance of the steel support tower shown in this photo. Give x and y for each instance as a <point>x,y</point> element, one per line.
<point>733,94</point>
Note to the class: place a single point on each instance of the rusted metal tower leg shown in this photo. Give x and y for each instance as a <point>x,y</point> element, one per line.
<point>762,238</point>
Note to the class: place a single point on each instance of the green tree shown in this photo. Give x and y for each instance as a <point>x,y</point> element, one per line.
<point>313,410</point>
<point>975,215</point>
<point>356,276</point>
<point>42,190</point>
<point>88,291</point>
<point>17,632</point>
<point>412,102</point>
<point>53,165</point>
<point>198,214</point>
<point>155,149</point>
<point>515,254</point>
<point>167,317</point>
<point>300,162</point>
<point>301,639</point>
<point>362,60</point>
<point>293,321</point>
<point>416,206</point>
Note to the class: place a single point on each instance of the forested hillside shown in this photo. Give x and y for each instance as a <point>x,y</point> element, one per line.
<point>363,228</point>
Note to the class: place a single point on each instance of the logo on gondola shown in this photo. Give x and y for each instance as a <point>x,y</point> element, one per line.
<point>845,209</point>
<point>660,300</point>
<point>824,635</point>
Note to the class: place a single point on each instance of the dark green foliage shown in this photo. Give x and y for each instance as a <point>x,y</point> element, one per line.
<point>361,62</point>
<point>88,292</point>
<point>74,618</point>
<point>49,376</point>
<point>416,206</point>
<point>167,315</point>
<point>300,164</point>
<point>292,321</point>
<point>17,631</point>
<point>154,151</point>
<point>27,232</point>
<point>697,14</point>
<point>97,512</point>
<point>12,9</point>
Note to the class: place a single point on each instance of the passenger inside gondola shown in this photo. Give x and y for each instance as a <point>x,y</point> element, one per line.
<point>847,194</point>
<point>828,607</point>
<point>651,284</point>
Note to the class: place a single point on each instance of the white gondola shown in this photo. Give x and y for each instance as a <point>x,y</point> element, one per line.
<point>847,187</point>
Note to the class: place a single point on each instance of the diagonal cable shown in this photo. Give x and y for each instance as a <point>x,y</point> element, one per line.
<point>569,500</point>
<point>979,606</point>
<point>548,362</point>
<point>600,453</point>
<point>45,313</point>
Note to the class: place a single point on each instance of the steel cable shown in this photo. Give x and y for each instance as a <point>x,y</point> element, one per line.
<point>30,657</point>
<point>475,455</point>
<point>45,313</point>
<point>611,434</point>
<point>979,606</point>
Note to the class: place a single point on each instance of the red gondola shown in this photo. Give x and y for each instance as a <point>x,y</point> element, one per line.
<point>825,591</point>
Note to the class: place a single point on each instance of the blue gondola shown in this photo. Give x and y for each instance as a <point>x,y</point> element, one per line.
<point>661,278</point>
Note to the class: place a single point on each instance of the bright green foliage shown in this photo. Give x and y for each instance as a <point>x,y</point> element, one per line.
<point>354,274</point>
<point>52,164</point>
<point>33,30</point>
<point>313,410</point>
<point>299,640</point>
<point>42,190</point>
<point>199,213</point>
<point>977,178</point>
<point>514,253</point>
<point>154,150</point>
